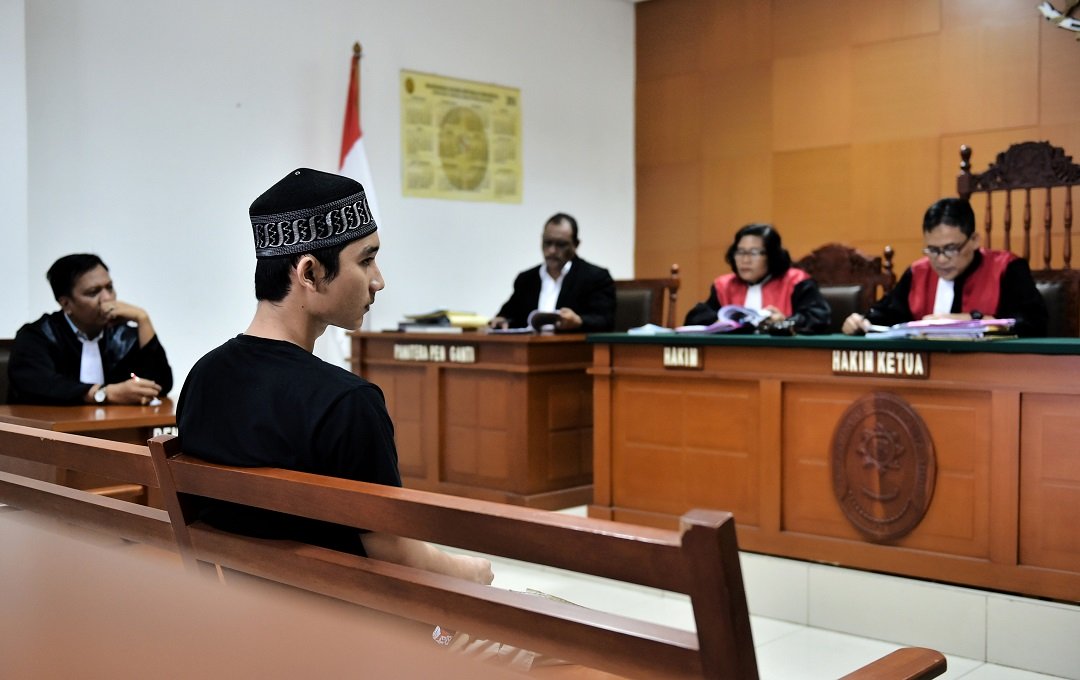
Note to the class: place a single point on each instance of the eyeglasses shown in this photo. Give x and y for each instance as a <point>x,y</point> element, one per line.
<point>750,252</point>
<point>948,252</point>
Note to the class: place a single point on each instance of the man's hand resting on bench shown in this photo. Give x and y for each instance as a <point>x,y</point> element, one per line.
<point>413,553</point>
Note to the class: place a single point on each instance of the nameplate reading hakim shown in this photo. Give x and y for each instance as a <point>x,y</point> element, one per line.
<point>682,357</point>
<point>915,365</point>
<point>455,354</point>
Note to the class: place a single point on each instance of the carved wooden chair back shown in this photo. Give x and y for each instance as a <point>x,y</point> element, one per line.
<point>849,279</point>
<point>1017,171</point>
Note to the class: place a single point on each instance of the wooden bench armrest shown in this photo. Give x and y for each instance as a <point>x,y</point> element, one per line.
<point>908,663</point>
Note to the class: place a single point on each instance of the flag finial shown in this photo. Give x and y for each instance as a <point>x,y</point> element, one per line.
<point>356,49</point>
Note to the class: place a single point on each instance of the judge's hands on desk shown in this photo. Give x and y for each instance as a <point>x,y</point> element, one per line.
<point>857,324</point>
<point>134,390</point>
<point>568,320</point>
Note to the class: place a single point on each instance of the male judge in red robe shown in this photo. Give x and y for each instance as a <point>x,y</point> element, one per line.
<point>959,280</point>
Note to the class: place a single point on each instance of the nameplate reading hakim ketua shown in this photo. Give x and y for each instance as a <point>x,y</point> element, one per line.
<point>914,365</point>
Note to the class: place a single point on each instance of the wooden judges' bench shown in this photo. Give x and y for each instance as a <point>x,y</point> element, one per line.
<point>953,461</point>
<point>494,417</point>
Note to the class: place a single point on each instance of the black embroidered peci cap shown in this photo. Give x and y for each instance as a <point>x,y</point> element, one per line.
<point>308,210</point>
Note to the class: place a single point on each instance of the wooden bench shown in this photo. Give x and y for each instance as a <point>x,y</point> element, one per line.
<point>23,448</point>
<point>700,560</point>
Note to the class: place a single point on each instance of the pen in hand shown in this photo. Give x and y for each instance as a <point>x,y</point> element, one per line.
<point>151,402</point>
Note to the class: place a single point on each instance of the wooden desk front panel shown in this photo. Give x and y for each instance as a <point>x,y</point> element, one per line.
<point>752,432</point>
<point>513,426</point>
<point>681,443</point>
<point>957,521</point>
<point>1050,482</point>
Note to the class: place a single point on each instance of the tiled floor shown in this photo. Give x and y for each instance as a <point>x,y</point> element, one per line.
<point>956,619</point>
<point>786,651</point>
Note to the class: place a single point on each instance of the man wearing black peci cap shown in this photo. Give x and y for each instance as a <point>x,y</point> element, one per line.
<point>263,398</point>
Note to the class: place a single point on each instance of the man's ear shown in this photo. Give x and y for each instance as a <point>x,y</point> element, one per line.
<point>65,302</point>
<point>308,272</point>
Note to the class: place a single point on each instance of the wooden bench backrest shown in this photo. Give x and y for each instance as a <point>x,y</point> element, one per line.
<point>126,463</point>
<point>689,562</point>
<point>700,560</point>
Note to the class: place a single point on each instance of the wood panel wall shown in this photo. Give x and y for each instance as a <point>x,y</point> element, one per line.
<point>836,120</point>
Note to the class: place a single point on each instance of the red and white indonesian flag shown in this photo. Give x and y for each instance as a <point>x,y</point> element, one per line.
<point>354,162</point>
<point>335,345</point>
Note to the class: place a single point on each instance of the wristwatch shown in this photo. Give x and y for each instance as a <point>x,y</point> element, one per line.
<point>976,314</point>
<point>100,395</point>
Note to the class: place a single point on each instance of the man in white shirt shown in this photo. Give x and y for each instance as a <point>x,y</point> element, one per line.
<point>581,293</point>
<point>96,350</point>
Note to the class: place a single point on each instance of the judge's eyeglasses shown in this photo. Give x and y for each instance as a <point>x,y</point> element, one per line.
<point>948,252</point>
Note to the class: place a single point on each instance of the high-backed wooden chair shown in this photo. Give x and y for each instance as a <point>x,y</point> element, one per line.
<point>1019,169</point>
<point>641,301</point>
<point>849,279</point>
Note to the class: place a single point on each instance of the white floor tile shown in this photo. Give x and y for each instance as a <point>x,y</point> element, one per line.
<point>905,611</point>
<point>768,630</point>
<point>959,667</point>
<point>991,672</point>
<point>1040,636</point>
<point>775,587</point>
<point>812,654</point>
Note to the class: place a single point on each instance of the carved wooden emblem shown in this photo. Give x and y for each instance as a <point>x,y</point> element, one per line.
<point>883,466</point>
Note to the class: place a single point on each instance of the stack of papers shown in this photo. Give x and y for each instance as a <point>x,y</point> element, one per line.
<point>945,329</point>
<point>730,318</point>
<point>444,317</point>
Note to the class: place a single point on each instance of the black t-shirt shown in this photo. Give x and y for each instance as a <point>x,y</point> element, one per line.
<point>259,402</point>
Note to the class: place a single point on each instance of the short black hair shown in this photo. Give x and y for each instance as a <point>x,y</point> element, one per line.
<point>63,273</point>
<point>272,274</point>
<point>779,259</point>
<point>955,212</point>
<point>558,218</point>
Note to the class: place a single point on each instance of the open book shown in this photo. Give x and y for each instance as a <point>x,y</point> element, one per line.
<point>945,329</point>
<point>729,319</point>
<point>533,324</point>
<point>445,317</point>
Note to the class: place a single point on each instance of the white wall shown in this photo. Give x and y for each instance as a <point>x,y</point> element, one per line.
<point>152,127</point>
<point>13,247</point>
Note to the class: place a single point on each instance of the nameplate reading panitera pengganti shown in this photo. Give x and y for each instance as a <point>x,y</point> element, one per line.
<point>456,354</point>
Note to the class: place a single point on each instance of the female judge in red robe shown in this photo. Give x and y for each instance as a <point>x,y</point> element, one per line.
<point>762,278</point>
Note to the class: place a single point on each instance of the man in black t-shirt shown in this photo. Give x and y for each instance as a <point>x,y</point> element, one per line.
<point>263,398</point>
